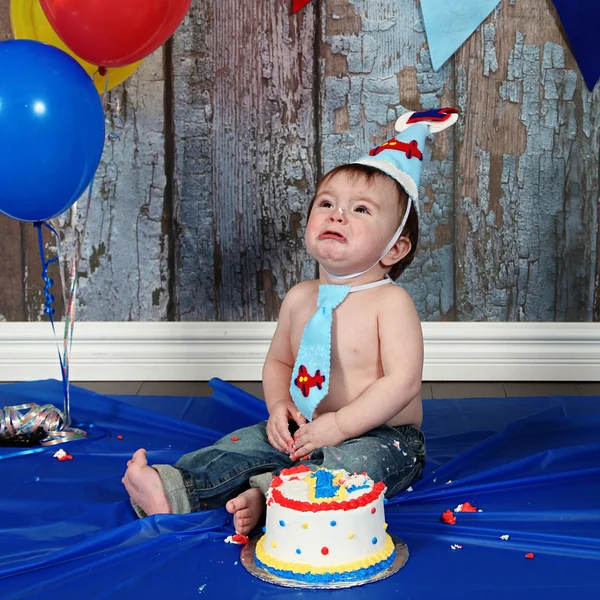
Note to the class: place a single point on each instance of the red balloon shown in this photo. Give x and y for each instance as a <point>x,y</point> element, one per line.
<point>114,33</point>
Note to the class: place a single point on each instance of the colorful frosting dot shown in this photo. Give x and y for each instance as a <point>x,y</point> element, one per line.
<point>373,510</point>
<point>305,525</point>
<point>350,536</point>
<point>385,526</point>
<point>298,551</point>
<point>374,540</point>
<point>333,523</point>
<point>324,550</point>
<point>282,523</point>
<point>274,544</point>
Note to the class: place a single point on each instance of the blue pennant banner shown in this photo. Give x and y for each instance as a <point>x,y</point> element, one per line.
<point>581,22</point>
<point>450,23</point>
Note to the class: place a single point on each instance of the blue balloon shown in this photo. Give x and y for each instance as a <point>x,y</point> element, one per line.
<point>51,130</point>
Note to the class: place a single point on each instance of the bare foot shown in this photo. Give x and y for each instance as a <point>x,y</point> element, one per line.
<point>246,510</point>
<point>144,485</point>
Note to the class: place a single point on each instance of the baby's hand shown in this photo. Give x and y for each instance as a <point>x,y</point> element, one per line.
<point>278,431</point>
<point>323,431</point>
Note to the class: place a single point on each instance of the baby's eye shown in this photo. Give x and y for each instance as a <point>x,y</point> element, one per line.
<point>325,203</point>
<point>362,209</point>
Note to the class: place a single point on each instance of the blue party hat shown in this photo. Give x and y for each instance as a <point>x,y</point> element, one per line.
<point>401,157</point>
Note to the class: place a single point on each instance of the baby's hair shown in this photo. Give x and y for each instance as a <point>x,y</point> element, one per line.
<point>411,228</point>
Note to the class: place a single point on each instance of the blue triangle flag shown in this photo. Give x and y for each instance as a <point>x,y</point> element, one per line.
<point>449,23</point>
<point>581,22</point>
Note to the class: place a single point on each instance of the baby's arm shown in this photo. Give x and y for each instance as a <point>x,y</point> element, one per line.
<point>401,347</point>
<point>277,373</point>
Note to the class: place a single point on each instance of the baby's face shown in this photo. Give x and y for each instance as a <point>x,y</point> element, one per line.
<point>351,222</point>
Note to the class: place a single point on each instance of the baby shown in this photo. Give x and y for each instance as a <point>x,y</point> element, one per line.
<point>361,410</point>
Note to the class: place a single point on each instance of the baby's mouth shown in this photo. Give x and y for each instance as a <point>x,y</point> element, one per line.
<point>330,234</point>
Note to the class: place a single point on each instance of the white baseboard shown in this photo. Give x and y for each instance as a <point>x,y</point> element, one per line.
<point>182,351</point>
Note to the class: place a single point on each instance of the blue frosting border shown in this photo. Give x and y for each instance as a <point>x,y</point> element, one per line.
<point>358,575</point>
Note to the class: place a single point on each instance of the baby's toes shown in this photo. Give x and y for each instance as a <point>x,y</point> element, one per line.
<point>243,527</point>
<point>243,514</point>
<point>242,518</point>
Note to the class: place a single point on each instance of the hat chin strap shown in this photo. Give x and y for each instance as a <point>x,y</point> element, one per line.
<point>387,249</point>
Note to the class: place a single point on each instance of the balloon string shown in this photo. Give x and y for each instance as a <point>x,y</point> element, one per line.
<point>71,304</point>
<point>70,300</point>
<point>49,310</point>
<point>70,308</point>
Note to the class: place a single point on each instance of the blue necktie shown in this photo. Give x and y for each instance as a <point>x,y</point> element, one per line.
<point>310,377</point>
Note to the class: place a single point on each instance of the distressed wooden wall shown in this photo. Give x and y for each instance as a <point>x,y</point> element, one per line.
<point>198,209</point>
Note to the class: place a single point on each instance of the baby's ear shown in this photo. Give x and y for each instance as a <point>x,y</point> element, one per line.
<point>397,252</point>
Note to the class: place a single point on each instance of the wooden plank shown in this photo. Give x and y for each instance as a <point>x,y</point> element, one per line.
<point>527,170</point>
<point>376,66</point>
<point>245,163</point>
<point>22,293</point>
<point>198,210</point>
<point>124,256</point>
<point>11,292</point>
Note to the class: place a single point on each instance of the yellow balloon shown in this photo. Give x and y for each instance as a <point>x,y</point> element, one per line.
<point>29,22</point>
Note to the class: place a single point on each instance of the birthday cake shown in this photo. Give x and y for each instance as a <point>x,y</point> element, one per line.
<point>325,527</point>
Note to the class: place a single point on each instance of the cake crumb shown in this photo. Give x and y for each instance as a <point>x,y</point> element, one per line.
<point>238,538</point>
<point>448,518</point>
<point>504,537</point>
<point>456,547</point>
<point>465,507</point>
<point>62,455</point>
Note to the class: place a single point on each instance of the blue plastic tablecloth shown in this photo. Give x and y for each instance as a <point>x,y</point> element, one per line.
<point>532,465</point>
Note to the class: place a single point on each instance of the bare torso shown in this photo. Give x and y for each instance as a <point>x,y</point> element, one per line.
<point>355,350</point>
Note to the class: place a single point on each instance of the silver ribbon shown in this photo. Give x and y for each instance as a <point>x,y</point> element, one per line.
<point>26,419</point>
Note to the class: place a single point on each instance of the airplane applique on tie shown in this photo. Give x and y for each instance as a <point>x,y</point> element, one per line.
<point>305,381</point>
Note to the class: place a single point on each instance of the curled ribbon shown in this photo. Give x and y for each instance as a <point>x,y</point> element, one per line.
<point>34,422</point>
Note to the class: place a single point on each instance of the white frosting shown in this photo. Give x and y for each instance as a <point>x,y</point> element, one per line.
<point>348,535</point>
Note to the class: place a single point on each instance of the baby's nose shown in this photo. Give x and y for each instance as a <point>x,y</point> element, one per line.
<point>338,216</point>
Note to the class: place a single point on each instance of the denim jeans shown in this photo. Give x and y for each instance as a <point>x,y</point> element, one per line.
<point>209,477</point>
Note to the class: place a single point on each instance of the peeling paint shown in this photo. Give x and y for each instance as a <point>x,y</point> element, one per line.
<point>490,62</point>
<point>509,196</point>
<point>95,256</point>
<point>388,72</point>
<point>245,157</point>
<point>123,254</point>
<point>528,220</point>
